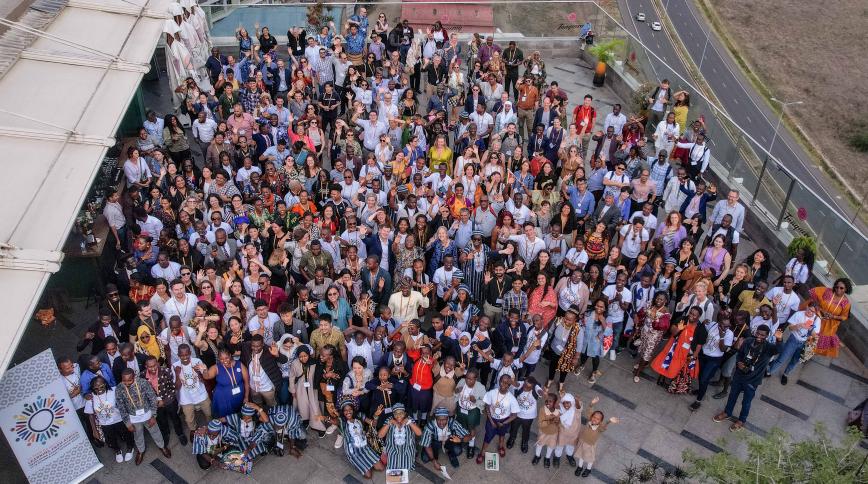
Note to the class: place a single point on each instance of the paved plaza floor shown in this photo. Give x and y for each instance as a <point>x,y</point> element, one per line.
<point>655,426</point>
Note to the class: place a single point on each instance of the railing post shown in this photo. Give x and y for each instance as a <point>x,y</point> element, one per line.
<point>786,201</point>
<point>759,182</point>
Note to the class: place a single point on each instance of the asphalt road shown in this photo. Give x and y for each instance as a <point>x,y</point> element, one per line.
<point>747,108</point>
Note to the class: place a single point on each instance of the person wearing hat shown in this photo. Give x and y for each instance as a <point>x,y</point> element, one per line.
<point>97,334</point>
<point>287,428</point>
<point>354,430</point>
<point>443,434</point>
<point>209,444</point>
<point>250,431</point>
<point>399,435</point>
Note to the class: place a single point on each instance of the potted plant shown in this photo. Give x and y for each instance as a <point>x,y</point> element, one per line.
<point>605,53</point>
<point>804,242</point>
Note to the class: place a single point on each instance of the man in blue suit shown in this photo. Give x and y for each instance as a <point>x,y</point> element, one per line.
<point>376,280</point>
<point>380,245</point>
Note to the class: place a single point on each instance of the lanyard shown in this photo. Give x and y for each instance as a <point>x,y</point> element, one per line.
<point>232,378</point>
<point>141,401</point>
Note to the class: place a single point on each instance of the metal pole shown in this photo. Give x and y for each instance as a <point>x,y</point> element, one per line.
<point>759,181</point>
<point>703,52</point>
<point>786,201</point>
<point>777,127</point>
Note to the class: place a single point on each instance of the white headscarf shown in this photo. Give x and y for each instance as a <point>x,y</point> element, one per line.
<point>567,415</point>
<point>465,349</point>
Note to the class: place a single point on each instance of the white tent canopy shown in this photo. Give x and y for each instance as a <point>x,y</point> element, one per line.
<point>61,102</point>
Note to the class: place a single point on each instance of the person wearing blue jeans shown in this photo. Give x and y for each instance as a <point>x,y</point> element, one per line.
<point>752,360</point>
<point>719,338</point>
<point>802,325</point>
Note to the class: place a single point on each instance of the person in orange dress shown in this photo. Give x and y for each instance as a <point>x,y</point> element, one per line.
<point>834,309</point>
<point>677,360</point>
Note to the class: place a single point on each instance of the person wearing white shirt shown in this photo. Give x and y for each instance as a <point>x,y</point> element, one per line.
<point>699,155</point>
<point>619,298</point>
<point>181,304</point>
<point>504,117</point>
<point>148,223</point>
<point>520,212</point>
<point>673,195</point>
<point>136,169</point>
<point>634,239</point>
<point>405,303</point>
<point>443,276</point>
<point>529,245</point>
<point>798,268</point>
<point>245,171</point>
<point>576,258</point>
<point>648,216</point>
<point>501,408</point>
<point>204,129</point>
<point>719,338</point>
<point>189,382</point>
<point>615,119</point>
<point>483,121</point>
<point>165,268</point>
<point>802,325</point>
<point>786,300</point>
<point>439,181</point>
<point>177,333</point>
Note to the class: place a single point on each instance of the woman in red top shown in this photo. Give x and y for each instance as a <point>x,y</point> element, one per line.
<point>421,383</point>
<point>543,300</point>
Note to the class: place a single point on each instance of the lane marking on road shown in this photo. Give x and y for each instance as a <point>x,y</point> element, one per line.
<point>748,120</point>
<point>819,184</point>
<point>735,100</point>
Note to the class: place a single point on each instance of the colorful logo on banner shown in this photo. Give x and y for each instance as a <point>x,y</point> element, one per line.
<point>40,421</point>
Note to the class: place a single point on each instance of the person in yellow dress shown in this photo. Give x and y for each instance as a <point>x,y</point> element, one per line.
<point>440,153</point>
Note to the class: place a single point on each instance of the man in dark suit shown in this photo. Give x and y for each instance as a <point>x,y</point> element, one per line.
<point>538,141</point>
<point>607,213</point>
<point>602,140</point>
<point>546,113</point>
<point>380,245</point>
<point>473,99</point>
<point>264,383</point>
<point>128,359</point>
<point>376,280</point>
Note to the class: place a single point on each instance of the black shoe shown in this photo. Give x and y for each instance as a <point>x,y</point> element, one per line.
<point>471,452</point>
<point>577,472</point>
<point>524,448</point>
<point>571,460</point>
<point>301,444</point>
<point>454,461</point>
<point>695,406</point>
<point>784,379</point>
<point>720,394</point>
<point>547,462</point>
<point>535,460</point>
<point>510,443</point>
<point>556,461</point>
<point>320,433</point>
<point>586,472</point>
<point>182,439</point>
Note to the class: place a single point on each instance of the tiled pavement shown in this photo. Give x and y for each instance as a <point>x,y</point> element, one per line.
<point>655,426</point>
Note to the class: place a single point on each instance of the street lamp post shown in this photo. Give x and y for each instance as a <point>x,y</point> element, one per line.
<point>784,106</point>
<point>702,58</point>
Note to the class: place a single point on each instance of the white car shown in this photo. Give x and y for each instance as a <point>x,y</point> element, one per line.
<point>655,26</point>
<point>640,17</point>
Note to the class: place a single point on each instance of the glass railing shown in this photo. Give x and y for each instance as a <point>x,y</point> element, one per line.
<point>772,192</point>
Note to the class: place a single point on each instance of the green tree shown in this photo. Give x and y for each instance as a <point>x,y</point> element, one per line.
<point>776,459</point>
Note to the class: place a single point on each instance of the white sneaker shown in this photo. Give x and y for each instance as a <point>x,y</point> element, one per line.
<point>339,442</point>
<point>128,456</point>
<point>612,355</point>
<point>119,458</point>
<point>331,429</point>
<point>444,473</point>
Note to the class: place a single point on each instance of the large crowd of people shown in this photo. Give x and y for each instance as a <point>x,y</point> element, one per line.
<point>406,241</point>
